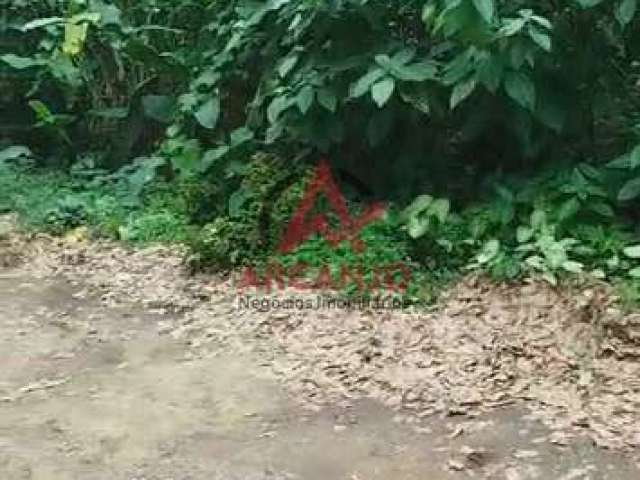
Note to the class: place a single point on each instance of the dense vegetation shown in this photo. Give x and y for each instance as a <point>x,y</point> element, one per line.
<point>503,133</point>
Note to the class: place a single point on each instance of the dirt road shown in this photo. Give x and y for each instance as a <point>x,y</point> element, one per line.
<point>88,392</point>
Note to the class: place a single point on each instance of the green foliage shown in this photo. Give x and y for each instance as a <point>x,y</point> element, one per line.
<point>69,212</point>
<point>490,119</point>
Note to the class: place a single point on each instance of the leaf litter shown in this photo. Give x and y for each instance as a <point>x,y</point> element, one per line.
<point>569,355</point>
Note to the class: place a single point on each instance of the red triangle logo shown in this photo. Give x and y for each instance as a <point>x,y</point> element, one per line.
<point>300,227</point>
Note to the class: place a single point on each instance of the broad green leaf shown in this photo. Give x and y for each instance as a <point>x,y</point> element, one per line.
<point>419,99</point>
<point>304,99</point>
<point>440,209</point>
<point>14,152</point>
<point>635,272</point>
<point>240,135</point>
<point>237,200</point>
<point>568,209</point>
<point>327,98</point>
<point>521,89</point>
<point>572,266</point>
<point>589,3</point>
<point>512,26</point>
<point>420,204</point>
<point>542,21</point>
<point>381,92</point>
<point>625,11</point>
<point>632,252</point>
<point>404,56</point>
<point>602,208</point>
<point>630,190</point>
<point>41,22</point>
<point>209,113</point>
<point>486,9</point>
<point>630,161</point>
<point>20,63</point>
<point>550,278</point>
<point>416,72</point>
<point>489,251</point>
<point>363,85</point>
<point>276,107</point>
<point>188,156</point>
<point>541,38</point>
<point>212,156</point>
<point>418,226</point>
<point>43,113</point>
<point>524,234</point>
<point>538,219</point>
<point>490,73</point>
<point>287,65</point>
<point>75,32</point>
<point>461,92</point>
<point>109,14</point>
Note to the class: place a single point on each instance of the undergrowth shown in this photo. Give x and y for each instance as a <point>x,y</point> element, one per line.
<point>538,229</point>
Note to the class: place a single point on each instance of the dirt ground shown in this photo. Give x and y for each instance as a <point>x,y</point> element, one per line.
<point>126,379</point>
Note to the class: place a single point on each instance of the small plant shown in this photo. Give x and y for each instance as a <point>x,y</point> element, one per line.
<point>225,243</point>
<point>70,212</point>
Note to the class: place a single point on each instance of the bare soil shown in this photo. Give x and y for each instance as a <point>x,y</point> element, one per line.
<point>118,365</point>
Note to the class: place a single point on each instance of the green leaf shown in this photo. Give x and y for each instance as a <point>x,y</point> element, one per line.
<point>625,11</point>
<point>632,251</point>
<point>41,22</point>
<point>538,219</point>
<point>237,200</point>
<point>512,26</point>
<point>630,161</point>
<point>568,209</point>
<point>524,234</point>
<point>363,85</point>
<point>240,135</point>
<point>212,156</point>
<point>416,72</point>
<point>420,204</point>
<point>630,190</point>
<point>603,209</point>
<point>20,63</point>
<point>486,9</point>
<point>418,226</point>
<point>461,92</point>
<point>489,251</point>
<point>589,3</point>
<point>14,152</point>
<point>75,32</point>
<point>572,267</point>
<point>490,72</point>
<point>276,107</point>
<point>381,92</point>
<point>541,38</point>
<point>419,99</point>
<point>287,65</point>
<point>159,107</point>
<point>209,113</point>
<point>327,98</point>
<point>635,272</point>
<point>521,89</point>
<point>305,98</point>
<point>440,209</point>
